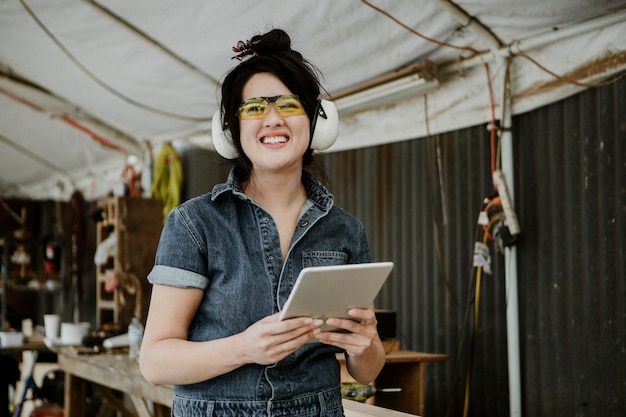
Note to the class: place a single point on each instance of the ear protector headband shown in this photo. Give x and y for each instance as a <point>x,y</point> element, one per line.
<point>324,130</point>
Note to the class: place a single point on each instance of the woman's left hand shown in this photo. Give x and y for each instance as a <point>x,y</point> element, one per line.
<point>365,355</point>
<point>360,336</point>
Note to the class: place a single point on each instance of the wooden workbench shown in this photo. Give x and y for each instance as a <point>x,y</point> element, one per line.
<point>404,369</point>
<point>113,373</point>
<point>110,373</point>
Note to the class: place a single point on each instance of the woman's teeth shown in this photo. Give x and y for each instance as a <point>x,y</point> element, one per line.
<point>274,139</point>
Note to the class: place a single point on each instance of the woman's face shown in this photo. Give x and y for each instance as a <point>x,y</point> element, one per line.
<point>273,143</point>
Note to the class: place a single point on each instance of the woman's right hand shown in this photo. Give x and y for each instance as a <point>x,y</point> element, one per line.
<point>268,341</point>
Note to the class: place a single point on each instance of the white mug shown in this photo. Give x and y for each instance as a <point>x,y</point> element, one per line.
<point>51,325</point>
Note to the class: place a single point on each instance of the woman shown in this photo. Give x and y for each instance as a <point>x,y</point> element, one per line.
<point>227,260</point>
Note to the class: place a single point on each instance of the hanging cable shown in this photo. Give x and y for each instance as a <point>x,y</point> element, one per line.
<point>464,48</point>
<point>68,120</point>
<point>440,184</point>
<point>493,128</point>
<point>101,82</point>
<point>413,31</point>
<point>569,80</point>
<point>506,48</point>
<point>33,156</point>
<point>145,36</point>
<point>482,266</point>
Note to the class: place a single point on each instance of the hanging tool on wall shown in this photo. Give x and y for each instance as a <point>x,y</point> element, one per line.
<point>168,178</point>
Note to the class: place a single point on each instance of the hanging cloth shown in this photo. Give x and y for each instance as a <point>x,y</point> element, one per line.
<point>168,178</point>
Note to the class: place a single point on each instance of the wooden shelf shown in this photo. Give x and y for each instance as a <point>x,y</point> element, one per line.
<point>136,224</point>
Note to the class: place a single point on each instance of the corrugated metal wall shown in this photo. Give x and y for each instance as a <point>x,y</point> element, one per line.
<point>420,201</point>
<point>571,164</point>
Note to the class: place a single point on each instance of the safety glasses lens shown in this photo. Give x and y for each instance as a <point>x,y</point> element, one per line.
<point>257,108</point>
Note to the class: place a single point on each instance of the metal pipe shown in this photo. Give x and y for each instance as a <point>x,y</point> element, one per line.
<point>533,42</point>
<point>510,254</point>
<point>498,50</point>
<point>510,263</point>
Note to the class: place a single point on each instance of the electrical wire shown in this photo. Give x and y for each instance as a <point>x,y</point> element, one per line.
<point>410,29</point>
<point>492,130</point>
<point>486,235</point>
<point>101,82</point>
<point>66,119</point>
<point>37,158</point>
<point>464,48</point>
<point>495,202</point>
<point>436,222</point>
<point>571,80</point>
<point>506,97</point>
<point>464,331</point>
<point>12,213</point>
<point>475,51</point>
<point>145,36</point>
<point>472,341</point>
<point>494,164</point>
<point>477,293</point>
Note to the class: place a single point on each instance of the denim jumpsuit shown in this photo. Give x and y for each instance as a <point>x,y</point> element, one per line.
<point>227,245</point>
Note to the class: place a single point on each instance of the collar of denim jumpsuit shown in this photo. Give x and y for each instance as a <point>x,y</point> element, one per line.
<point>318,194</point>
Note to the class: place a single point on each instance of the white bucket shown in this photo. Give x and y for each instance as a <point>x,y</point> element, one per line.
<point>73,333</point>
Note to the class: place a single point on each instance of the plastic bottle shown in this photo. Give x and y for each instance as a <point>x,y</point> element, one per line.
<point>135,334</point>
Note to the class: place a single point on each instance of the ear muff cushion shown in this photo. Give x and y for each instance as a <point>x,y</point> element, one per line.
<point>326,126</point>
<point>222,140</point>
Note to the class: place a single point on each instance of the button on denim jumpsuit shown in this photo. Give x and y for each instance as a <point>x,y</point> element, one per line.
<point>227,245</point>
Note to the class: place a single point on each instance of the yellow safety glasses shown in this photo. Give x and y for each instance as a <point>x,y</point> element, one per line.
<point>257,108</point>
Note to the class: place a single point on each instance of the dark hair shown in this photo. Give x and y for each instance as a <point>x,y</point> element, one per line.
<point>271,53</point>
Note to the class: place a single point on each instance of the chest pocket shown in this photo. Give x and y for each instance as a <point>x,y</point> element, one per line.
<point>323,258</point>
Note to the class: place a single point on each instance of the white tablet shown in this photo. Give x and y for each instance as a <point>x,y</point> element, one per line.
<point>330,291</point>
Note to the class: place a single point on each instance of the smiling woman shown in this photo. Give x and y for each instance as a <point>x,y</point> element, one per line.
<point>213,330</point>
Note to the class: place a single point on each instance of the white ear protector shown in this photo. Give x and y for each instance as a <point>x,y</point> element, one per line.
<point>324,128</point>
<point>222,139</point>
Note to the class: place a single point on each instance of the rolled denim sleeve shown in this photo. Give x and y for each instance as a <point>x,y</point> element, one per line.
<point>180,259</point>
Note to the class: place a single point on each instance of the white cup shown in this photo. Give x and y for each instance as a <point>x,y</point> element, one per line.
<point>27,327</point>
<point>51,325</point>
<point>73,333</point>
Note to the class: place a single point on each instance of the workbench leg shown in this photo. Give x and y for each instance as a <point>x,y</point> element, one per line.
<point>421,401</point>
<point>74,396</point>
<point>111,399</point>
<point>140,406</point>
<point>162,410</point>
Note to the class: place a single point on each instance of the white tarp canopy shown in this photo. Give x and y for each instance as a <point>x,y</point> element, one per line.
<point>85,84</point>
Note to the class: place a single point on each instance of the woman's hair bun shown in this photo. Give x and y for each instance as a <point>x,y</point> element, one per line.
<point>275,41</point>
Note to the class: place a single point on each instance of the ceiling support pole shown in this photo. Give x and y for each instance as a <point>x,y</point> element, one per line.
<point>507,167</point>
<point>510,264</point>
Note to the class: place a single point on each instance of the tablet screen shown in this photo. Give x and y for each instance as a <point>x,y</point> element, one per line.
<point>330,291</point>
